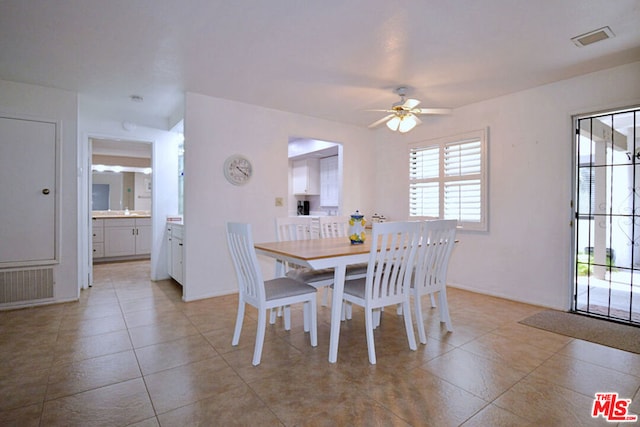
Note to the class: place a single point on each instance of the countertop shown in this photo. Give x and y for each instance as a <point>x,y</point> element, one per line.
<point>120,214</point>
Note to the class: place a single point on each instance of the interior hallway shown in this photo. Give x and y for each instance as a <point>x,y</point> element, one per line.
<point>132,353</point>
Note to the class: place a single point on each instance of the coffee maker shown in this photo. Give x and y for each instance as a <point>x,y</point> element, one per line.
<point>303,207</point>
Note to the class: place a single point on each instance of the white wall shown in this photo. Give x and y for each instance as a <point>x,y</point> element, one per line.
<point>215,129</point>
<point>53,104</point>
<point>94,122</point>
<point>526,254</point>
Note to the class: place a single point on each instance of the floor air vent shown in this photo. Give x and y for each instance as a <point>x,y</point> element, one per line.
<point>26,285</point>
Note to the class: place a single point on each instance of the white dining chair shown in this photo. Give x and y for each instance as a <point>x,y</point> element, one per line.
<point>391,260</point>
<point>334,226</point>
<point>338,226</point>
<point>430,276</point>
<point>298,228</point>
<point>264,295</point>
<point>294,228</point>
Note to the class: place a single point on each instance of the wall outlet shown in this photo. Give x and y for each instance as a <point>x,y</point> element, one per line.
<point>279,201</point>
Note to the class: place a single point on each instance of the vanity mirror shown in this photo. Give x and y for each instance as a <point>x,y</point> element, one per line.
<point>121,175</point>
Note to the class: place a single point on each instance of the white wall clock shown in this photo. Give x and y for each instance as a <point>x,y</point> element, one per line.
<point>237,169</point>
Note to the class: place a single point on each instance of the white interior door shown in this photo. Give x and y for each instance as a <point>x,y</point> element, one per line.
<point>27,191</point>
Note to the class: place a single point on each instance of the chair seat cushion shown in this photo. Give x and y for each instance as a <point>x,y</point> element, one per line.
<point>355,287</point>
<point>282,287</point>
<point>309,275</point>
<point>357,270</point>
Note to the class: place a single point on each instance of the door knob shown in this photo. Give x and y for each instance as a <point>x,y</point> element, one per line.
<point>45,191</point>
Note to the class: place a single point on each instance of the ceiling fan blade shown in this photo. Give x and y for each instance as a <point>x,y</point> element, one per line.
<point>432,111</point>
<point>411,104</point>
<point>382,120</point>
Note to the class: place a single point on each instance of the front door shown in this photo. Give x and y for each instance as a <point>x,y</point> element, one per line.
<point>607,213</point>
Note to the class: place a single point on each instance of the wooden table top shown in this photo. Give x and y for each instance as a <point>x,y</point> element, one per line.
<point>315,248</point>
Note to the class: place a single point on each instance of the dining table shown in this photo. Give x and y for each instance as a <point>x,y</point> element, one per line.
<point>336,253</point>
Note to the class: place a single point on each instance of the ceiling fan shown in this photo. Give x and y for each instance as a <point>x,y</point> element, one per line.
<point>404,113</point>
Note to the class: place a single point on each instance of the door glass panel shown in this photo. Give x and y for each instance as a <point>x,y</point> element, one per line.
<point>607,245</point>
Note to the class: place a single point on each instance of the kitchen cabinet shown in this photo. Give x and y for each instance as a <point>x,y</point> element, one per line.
<point>175,250</point>
<point>127,236</point>
<point>329,183</point>
<point>306,177</point>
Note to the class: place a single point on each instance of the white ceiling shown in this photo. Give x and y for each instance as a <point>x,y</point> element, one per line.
<point>330,59</point>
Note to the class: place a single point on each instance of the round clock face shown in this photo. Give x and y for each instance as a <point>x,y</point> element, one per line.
<point>237,169</point>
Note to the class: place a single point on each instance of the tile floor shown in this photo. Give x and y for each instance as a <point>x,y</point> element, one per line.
<point>130,352</point>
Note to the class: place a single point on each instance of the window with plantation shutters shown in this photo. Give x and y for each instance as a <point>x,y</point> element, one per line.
<point>447,179</point>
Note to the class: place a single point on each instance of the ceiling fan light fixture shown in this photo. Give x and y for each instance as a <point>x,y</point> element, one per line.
<point>407,123</point>
<point>394,123</point>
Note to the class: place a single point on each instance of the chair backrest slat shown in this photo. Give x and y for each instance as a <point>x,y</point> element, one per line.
<point>334,226</point>
<point>245,261</point>
<point>393,249</point>
<point>432,260</point>
<point>293,228</point>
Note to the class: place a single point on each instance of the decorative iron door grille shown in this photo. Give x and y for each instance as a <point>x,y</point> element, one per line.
<point>607,216</point>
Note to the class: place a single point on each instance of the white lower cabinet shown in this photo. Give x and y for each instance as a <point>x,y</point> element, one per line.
<point>175,249</point>
<point>98,238</point>
<point>127,237</point>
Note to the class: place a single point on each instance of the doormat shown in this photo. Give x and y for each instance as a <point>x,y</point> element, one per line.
<point>611,334</point>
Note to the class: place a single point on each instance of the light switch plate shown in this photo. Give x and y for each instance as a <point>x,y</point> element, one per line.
<point>279,201</point>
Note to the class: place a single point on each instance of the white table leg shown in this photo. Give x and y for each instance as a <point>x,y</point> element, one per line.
<point>336,311</point>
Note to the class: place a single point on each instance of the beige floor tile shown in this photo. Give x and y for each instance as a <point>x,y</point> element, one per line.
<point>166,330</point>
<point>26,353</point>
<point>183,385</point>
<point>71,348</point>
<point>514,353</point>
<point>92,373</point>
<point>326,400</point>
<point>92,326</point>
<point>24,416</point>
<point>545,403</point>
<point>276,356</point>
<point>494,416</point>
<point>149,422</point>
<point>81,312</point>
<point>158,302</point>
<point>114,405</point>
<point>536,337</point>
<point>25,389</point>
<point>236,406</point>
<point>621,361</point>
<point>150,316</point>
<point>158,357</point>
<point>585,377</point>
<point>486,378</point>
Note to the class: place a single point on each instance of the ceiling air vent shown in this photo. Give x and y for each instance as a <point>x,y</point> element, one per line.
<point>593,36</point>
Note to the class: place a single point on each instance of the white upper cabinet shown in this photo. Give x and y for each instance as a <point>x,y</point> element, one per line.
<point>306,177</point>
<point>329,183</point>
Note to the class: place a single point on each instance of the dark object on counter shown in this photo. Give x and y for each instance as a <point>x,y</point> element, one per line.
<point>303,207</point>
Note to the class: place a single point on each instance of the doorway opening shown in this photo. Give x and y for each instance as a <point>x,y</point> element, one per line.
<point>120,200</point>
<point>607,215</point>
<point>315,177</point>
